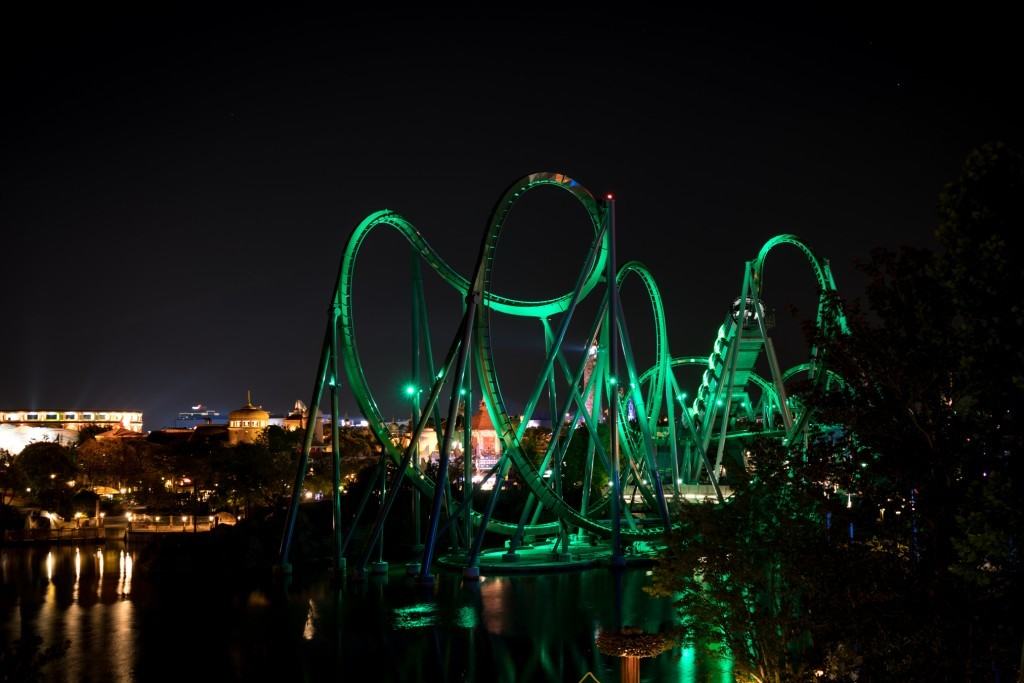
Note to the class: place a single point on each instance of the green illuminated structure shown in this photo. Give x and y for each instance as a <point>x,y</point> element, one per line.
<point>671,444</point>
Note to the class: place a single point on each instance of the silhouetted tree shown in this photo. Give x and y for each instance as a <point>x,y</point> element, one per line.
<point>919,580</point>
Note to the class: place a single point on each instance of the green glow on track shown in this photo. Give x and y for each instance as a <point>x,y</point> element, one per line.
<point>650,391</point>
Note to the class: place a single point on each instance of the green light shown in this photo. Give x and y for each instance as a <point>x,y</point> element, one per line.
<point>720,404</point>
<point>414,616</point>
<point>863,465</point>
<point>466,617</point>
<point>478,286</point>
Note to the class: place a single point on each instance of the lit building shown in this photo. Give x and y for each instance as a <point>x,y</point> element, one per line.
<point>74,420</point>
<point>199,415</point>
<point>293,421</point>
<point>486,446</point>
<point>14,437</point>
<point>246,424</point>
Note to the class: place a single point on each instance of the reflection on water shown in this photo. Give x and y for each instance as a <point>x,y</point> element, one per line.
<point>61,595</point>
<point>122,626</point>
<point>310,628</point>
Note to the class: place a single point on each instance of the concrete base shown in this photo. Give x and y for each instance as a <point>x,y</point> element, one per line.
<point>412,568</point>
<point>618,561</point>
<point>547,558</point>
<point>427,580</point>
<point>472,573</point>
<point>378,567</point>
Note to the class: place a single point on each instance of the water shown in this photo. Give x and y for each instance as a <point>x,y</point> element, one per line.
<point>125,626</point>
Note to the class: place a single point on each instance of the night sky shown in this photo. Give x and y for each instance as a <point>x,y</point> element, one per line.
<point>177,188</point>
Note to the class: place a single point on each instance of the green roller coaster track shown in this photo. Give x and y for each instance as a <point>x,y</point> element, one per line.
<point>669,439</point>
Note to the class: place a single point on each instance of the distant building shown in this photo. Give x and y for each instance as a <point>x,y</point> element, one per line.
<point>199,415</point>
<point>14,437</point>
<point>486,446</point>
<point>74,420</point>
<point>293,421</point>
<point>246,424</point>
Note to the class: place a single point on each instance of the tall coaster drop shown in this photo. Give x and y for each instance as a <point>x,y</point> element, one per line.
<point>662,447</point>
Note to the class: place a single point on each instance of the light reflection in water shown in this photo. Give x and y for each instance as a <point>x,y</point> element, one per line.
<point>503,628</point>
<point>688,666</point>
<point>78,576</point>
<point>492,594</point>
<point>99,565</point>
<point>419,615</point>
<point>309,631</point>
<point>124,585</point>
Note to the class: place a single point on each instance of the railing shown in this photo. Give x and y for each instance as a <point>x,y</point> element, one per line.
<point>58,535</point>
<point>168,527</point>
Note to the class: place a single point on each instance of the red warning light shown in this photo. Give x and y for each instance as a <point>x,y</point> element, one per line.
<point>609,196</point>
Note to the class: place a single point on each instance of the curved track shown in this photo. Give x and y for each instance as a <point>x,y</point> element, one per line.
<point>667,440</point>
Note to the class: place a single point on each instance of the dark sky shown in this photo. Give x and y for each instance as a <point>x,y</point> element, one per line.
<point>177,187</point>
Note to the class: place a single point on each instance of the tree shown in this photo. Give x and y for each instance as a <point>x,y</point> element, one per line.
<point>115,463</point>
<point>46,465</point>
<point>251,474</point>
<point>88,433</point>
<point>12,479</point>
<point>928,443</point>
<point>939,378</point>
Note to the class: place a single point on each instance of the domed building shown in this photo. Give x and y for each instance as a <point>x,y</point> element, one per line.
<point>246,424</point>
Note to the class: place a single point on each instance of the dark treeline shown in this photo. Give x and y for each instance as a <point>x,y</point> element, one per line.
<point>888,547</point>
